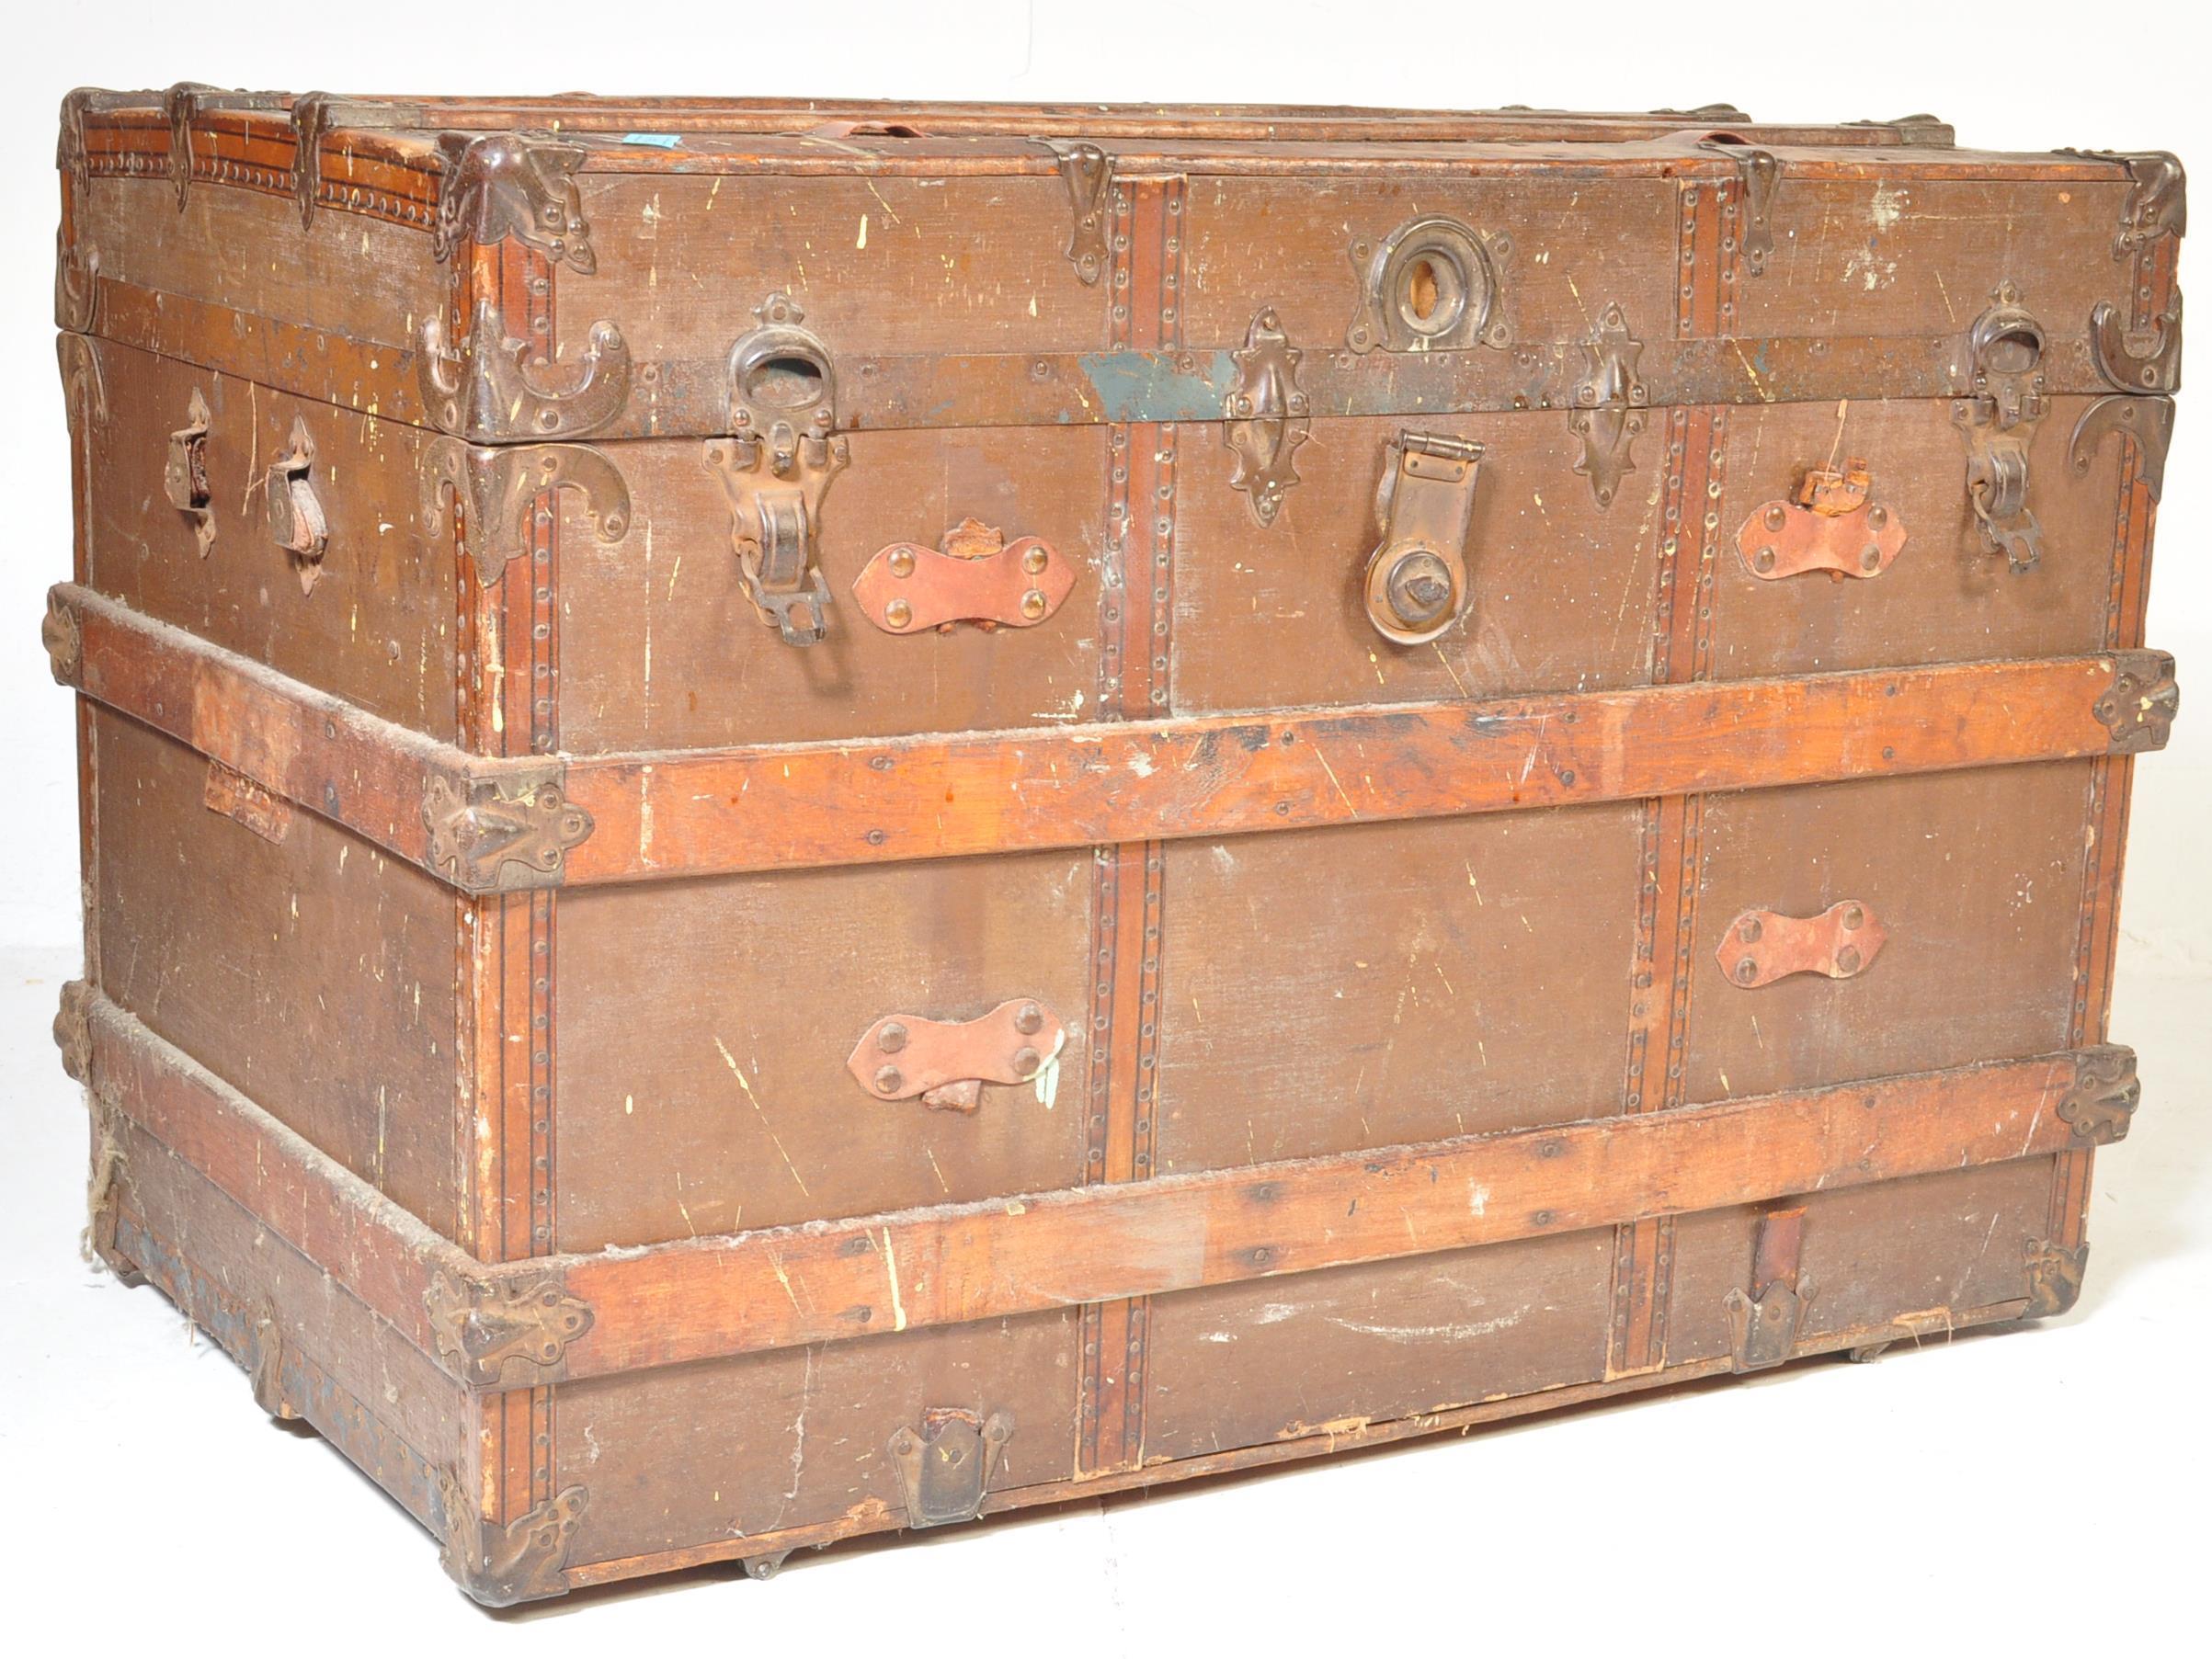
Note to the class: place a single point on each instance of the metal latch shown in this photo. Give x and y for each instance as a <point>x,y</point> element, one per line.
<point>777,465</point>
<point>1833,524</point>
<point>1266,417</point>
<point>1417,578</point>
<point>946,1465</point>
<point>947,1064</point>
<point>295,514</point>
<point>185,478</point>
<point>1763,1324</point>
<point>1998,423</point>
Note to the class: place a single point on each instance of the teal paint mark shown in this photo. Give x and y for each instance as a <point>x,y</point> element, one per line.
<point>657,140</point>
<point>1149,386</point>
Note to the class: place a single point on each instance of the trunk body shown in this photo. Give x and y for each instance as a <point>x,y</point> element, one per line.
<point>1061,798</point>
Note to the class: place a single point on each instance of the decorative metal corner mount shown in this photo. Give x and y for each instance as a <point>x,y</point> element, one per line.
<point>2054,1278</point>
<point>2147,420</point>
<point>482,389</point>
<point>494,486</point>
<point>1267,416</point>
<point>63,638</point>
<point>2106,1092</point>
<point>2139,705</point>
<point>73,1029</point>
<point>2156,206</point>
<point>310,121</point>
<point>1757,173</point>
<point>1088,173</point>
<point>513,184</point>
<point>501,834</point>
<point>84,388</point>
<point>1763,1330</point>
<point>2156,373</point>
<point>1609,407</point>
<point>498,1566</point>
<point>76,286</point>
<point>946,1465</point>
<point>503,1334</point>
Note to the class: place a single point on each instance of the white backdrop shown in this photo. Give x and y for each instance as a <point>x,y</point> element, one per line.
<point>2007,1486</point>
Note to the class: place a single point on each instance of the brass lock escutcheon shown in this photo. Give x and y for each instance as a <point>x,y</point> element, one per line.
<point>1416,578</point>
<point>296,521</point>
<point>1998,422</point>
<point>776,466</point>
<point>1430,285</point>
<point>185,478</point>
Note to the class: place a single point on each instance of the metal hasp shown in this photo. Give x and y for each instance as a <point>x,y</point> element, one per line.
<point>296,520</point>
<point>512,184</point>
<point>522,1561</point>
<point>485,391</point>
<point>487,840</point>
<point>502,1336</point>
<point>1416,578</point>
<point>1762,1322</point>
<point>1430,285</point>
<point>1608,406</point>
<point>1998,422</point>
<point>2140,706</point>
<point>776,466</point>
<point>185,477</point>
<point>495,487</point>
<point>946,1465</point>
<point>947,1064</point>
<point>1832,526</point>
<point>1266,417</point>
<point>973,574</point>
<point>1757,173</point>
<point>1762,945</point>
<point>2102,1103</point>
<point>1088,173</point>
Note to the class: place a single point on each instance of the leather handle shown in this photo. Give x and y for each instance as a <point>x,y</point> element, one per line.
<point>947,1063</point>
<point>1762,945</point>
<point>1833,524</point>
<point>973,574</point>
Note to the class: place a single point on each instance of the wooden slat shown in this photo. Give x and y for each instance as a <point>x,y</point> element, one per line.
<point>783,1287</point>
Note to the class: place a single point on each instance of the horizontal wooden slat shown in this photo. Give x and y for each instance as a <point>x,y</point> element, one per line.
<point>704,811</point>
<point>831,1281</point>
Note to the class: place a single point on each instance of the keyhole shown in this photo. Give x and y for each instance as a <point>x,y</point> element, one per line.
<point>1420,297</point>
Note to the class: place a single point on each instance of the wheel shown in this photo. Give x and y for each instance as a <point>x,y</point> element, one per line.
<point>1866,1351</point>
<point>765,1566</point>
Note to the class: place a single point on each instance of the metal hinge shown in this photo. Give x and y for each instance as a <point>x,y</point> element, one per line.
<point>777,465</point>
<point>482,390</point>
<point>490,836</point>
<point>505,1335</point>
<point>310,121</point>
<point>500,1565</point>
<point>185,477</point>
<point>1088,173</point>
<point>946,1465</point>
<point>1266,417</point>
<point>495,485</point>
<point>1416,582</point>
<point>1998,423</point>
<point>513,184</point>
<point>2138,707</point>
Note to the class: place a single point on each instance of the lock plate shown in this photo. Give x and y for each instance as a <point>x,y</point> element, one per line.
<point>1416,578</point>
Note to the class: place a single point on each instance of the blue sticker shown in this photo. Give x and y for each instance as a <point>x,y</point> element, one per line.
<point>658,140</point>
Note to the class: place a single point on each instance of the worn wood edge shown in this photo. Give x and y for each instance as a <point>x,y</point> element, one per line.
<point>688,397</point>
<point>709,811</point>
<point>875,1516</point>
<point>669,1304</point>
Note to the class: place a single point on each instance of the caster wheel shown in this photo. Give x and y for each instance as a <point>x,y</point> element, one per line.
<point>1866,1351</point>
<point>764,1566</point>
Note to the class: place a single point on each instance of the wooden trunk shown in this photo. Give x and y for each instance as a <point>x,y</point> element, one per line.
<point>801,820</point>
